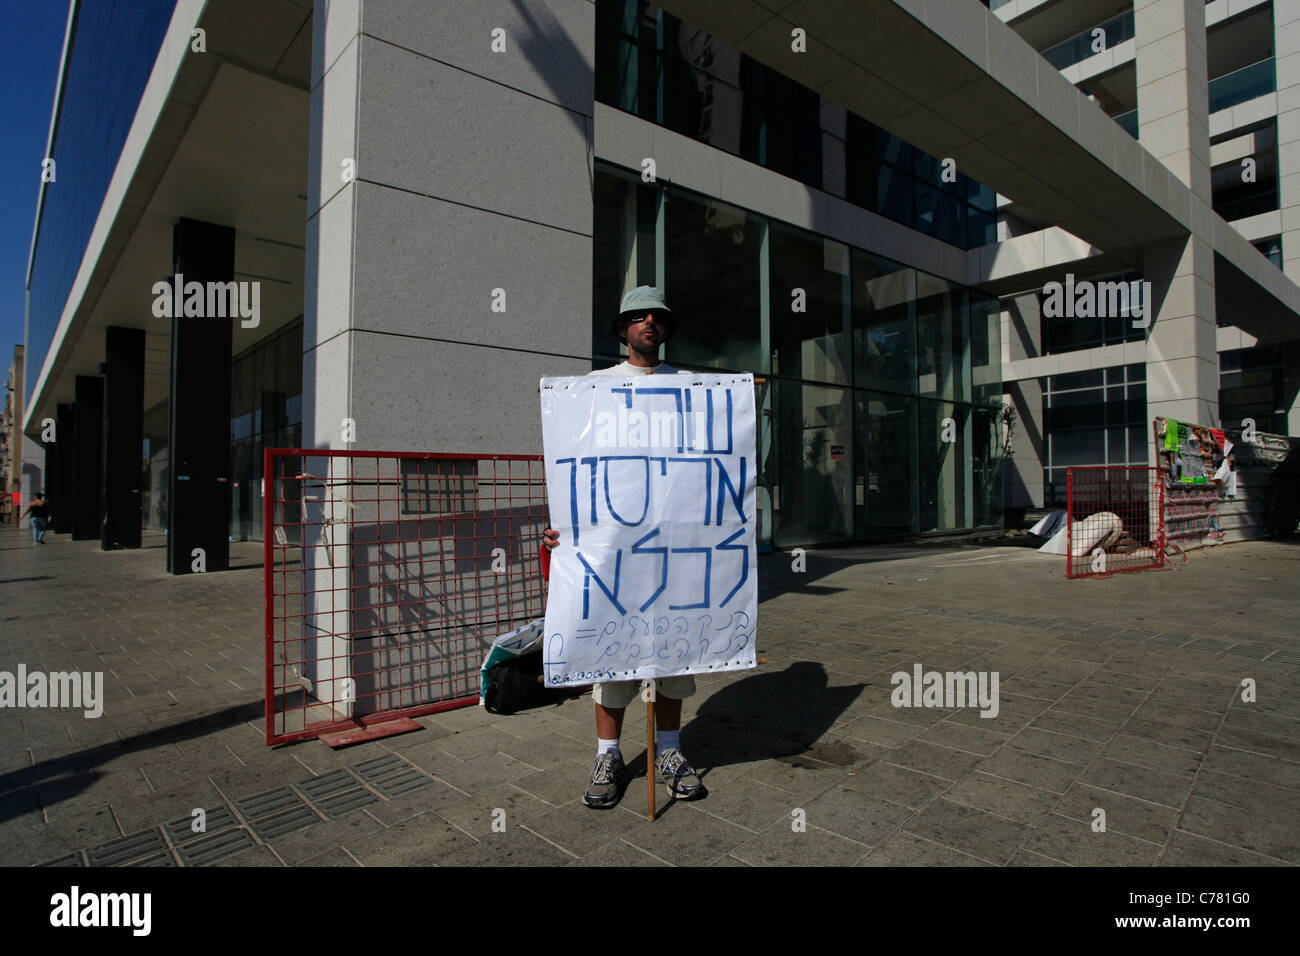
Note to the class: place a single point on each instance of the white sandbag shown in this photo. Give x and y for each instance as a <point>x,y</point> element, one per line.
<point>1097,530</point>
<point>1050,524</point>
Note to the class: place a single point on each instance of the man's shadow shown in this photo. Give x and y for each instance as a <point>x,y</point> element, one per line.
<point>769,715</point>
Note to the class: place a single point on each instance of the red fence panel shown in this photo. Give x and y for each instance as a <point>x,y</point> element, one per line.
<point>1115,520</point>
<point>388,575</point>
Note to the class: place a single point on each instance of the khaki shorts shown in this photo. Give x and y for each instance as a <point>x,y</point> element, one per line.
<point>617,694</point>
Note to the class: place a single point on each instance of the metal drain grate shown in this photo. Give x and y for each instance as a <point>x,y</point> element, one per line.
<point>158,859</point>
<point>268,828</point>
<point>215,847</point>
<point>1174,639</point>
<point>1286,657</point>
<point>327,785</point>
<point>266,804</point>
<point>340,803</point>
<point>215,820</point>
<point>128,848</point>
<point>1247,650</point>
<point>403,781</point>
<point>72,859</point>
<point>391,775</point>
<point>379,767</point>
<point>1208,644</point>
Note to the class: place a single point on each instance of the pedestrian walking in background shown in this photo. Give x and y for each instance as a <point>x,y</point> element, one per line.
<point>40,513</point>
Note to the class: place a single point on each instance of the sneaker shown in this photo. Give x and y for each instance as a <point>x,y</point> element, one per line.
<point>606,774</point>
<point>683,782</point>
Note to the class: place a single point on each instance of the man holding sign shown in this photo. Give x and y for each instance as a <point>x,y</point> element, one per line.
<point>656,483</point>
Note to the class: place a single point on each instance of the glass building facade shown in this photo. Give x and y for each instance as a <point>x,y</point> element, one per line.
<point>1093,417</point>
<point>877,407</point>
<point>881,383</point>
<point>266,412</point>
<point>113,47</point>
<point>1252,385</point>
<point>651,64</point>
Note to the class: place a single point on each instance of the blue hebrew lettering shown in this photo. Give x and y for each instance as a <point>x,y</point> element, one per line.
<point>554,648</point>
<point>573,493</point>
<point>737,497</point>
<point>744,563</point>
<point>591,463</point>
<point>586,584</point>
<point>690,439</point>
<point>663,566</point>
<point>645,503</point>
<point>713,449</point>
<point>676,393</point>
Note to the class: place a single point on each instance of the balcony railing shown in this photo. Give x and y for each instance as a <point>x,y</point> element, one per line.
<point>1242,85</point>
<point>1080,47</point>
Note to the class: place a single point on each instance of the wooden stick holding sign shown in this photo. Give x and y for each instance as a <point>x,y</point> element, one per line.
<point>650,750</point>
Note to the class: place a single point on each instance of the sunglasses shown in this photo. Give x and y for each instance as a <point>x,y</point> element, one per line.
<point>659,317</point>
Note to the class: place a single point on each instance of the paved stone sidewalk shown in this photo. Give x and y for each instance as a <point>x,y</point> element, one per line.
<point>1122,694</point>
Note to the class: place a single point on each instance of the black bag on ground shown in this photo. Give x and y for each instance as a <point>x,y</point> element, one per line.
<point>516,684</point>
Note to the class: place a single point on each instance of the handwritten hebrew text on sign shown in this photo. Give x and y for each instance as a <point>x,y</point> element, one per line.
<point>651,484</point>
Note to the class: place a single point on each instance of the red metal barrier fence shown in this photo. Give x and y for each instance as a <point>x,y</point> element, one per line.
<point>1115,520</point>
<point>388,575</point>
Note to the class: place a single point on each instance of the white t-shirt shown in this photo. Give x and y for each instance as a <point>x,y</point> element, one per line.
<point>626,368</point>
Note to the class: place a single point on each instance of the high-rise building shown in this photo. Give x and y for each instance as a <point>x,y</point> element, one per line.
<point>1210,90</point>
<point>420,209</point>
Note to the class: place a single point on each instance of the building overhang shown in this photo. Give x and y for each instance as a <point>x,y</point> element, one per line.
<point>953,79</point>
<point>219,135</point>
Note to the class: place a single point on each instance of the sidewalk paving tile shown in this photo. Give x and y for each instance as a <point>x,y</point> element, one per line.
<point>1101,705</point>
<point>975,832</point>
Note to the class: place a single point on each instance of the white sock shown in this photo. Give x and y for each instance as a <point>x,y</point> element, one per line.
<point>668,739</point>
<point>604,746</point>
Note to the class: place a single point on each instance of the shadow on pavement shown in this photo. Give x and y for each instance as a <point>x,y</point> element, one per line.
<point>65,777</point>
<point>770,715</point>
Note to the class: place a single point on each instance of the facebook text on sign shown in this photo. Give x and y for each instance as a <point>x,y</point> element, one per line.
<point>651,484</point>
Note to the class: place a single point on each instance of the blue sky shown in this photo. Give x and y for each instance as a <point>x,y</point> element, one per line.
<point>31,43</point>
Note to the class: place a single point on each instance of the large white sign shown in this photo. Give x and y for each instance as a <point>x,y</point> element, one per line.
<point>650,482</point>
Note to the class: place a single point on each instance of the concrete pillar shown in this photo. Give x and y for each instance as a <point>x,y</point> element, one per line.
<point>35,470</point>
<point>87,457</point>
<point>1286,46</point>
<point>123,437</point>
<point>449,240</point>
<point>1172,88</point>
<point>1182,357</point>
<point>1023,474</point>
<point>61,503</point>
<point>1022,327</point>
<point>446,178</point>
<point>199,408</point>
<point>1291,387</point>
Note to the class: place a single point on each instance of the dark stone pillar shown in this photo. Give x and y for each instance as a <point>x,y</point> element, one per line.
<point>123,437</point>
<point>199,425</point>
<point>51,479</point>
<point>88,457</point>
<point>61,495</point>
